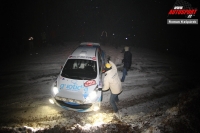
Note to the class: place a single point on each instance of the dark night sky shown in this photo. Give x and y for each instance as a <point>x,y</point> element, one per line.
<point>145,21</point>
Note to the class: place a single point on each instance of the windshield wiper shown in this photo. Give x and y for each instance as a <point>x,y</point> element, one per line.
<point>65,75</point>
<point>85,78</point>
<point>82,78</point>
<point>75,77</point>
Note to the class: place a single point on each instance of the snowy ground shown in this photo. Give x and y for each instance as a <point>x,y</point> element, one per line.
<point>152,98</point>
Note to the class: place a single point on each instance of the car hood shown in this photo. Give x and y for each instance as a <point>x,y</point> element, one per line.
<point>75,89</point>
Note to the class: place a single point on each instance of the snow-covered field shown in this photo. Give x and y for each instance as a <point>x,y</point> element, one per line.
<point>150,101</point>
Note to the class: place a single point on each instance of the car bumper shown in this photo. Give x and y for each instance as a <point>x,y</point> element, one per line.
<point>77,107</point>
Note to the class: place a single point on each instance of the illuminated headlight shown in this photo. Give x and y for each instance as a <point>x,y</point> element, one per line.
<point>55,90</point>
<point>92,95</point>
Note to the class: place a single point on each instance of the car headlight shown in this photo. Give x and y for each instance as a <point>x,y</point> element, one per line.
<point>92,95</point>
<point>55,90</point>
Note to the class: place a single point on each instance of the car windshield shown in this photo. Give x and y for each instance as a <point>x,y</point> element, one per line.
<point>80,69</point>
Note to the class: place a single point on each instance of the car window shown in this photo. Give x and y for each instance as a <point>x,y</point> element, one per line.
<point>80,69</point>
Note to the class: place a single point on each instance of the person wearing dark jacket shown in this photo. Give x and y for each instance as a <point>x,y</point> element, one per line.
<point>127,62</point>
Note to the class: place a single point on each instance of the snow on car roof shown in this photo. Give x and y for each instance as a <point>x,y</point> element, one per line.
<point>84,51</point>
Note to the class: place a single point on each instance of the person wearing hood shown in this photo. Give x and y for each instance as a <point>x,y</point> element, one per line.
<point>127,62</point>
<point>112,82</point>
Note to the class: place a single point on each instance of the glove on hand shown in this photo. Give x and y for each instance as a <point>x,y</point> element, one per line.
<point>100,89</point>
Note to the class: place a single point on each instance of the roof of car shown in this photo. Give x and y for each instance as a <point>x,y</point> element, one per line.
<point>90,44</point>
<point>84,52</point>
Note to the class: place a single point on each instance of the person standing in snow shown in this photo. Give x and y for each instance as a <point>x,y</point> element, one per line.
<point>112,82</point>
<point>127,62</point>
<point>31,45</point>
<point>104,37</point>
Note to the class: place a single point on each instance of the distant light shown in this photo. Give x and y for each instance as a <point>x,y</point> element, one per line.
<point>113,34</point>
<point>126,38</point>
<point>30,38</point>
<point>97,7</point>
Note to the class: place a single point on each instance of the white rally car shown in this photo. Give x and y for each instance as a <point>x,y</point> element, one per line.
<point>76,87</point>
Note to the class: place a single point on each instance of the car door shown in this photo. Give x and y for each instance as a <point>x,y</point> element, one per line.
<point>101,66</point>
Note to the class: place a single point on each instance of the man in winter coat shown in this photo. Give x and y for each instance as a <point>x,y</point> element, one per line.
<point>112,82</point>
<point>127,62</point>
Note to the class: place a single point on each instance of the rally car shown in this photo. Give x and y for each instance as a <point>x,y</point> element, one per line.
<point>76,87</point>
